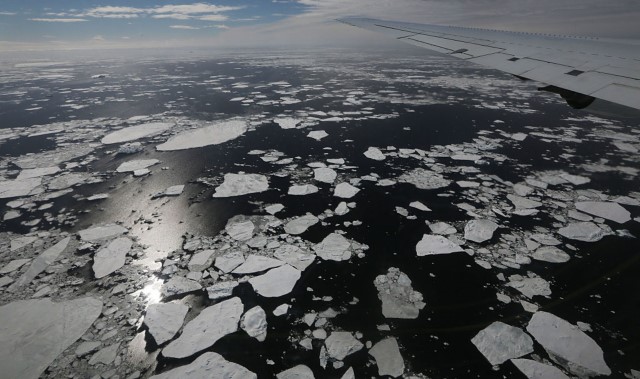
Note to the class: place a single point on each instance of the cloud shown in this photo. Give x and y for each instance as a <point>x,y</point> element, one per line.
<point>98,38</point>
<point>195,11</point>
<point>8,13</point>
<point>185,27</point>
<point>58,19</point>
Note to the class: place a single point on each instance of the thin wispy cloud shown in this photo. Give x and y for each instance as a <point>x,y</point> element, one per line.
<point>195,11</point>
<point>58,19</point>
<point>184,27</point>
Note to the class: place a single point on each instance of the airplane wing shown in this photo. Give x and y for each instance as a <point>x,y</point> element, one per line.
<point>581,69</point>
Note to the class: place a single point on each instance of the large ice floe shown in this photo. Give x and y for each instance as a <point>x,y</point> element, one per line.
<point>35,332</point>
<point>399,300</point>
<point>276,282</point>
<point>434,245</point>
<point>209,326</point>
<point>214,134</point>
<point>241,184</point>
<point>500,342</point>
<point>568,345</point>
<point>133,133</point>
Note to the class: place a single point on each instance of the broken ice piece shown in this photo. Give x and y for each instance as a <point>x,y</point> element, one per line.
<point>300,225</point>
<point>479,230</point>
<point>399,300</point>
<point>301,190</point>
<point>500,342</point>
<point>297,372</point>
<point>97,233</point>
<point>179,285</point>
<point>433,245</point>
<point>582,231</point>
<point>536,370</point>
<point>334,247</point>
<point>171,191</point>
<point>111,257</point>
<point>419,206</point>
<point>274,208</point>
<point>341,344</point>
<point>317,134</point>
<point>276,282</point>
<point>442,228</point>
<point>241,184</point>
<point>257,263</point>
<point>221,290</point>
<point>325,175</point>
<point>214,134</point>
<point>375,154</point>
<point>208,365</point>
<point>388,358</point>
<point>164,320</point>
<point>345,191</point>
<point>610,211</point>
<point>530,286</point>
<point>134,165</point>
<point>281,310</point>
<point>254,323</point>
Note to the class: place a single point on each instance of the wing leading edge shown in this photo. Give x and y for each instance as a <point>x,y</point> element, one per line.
<point>580,69</point>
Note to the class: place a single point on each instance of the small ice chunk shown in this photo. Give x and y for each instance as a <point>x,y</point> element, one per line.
<point>297,372</point>
<point>334,247</point>
<point>208,365</point>
<point>111,257</point>
<point>240,228</point>
<point>281,310</point>
<point>274,208</point>
<point>201,260</point>
<point>257,263</point>
<point>135,165</point>
<point>179,285</point>
<point>607,210</point>
<point>325,175</point>
<point>98,196</point>
<point>133,133</point>
<point>479,230</point>
<point>349,374</point>
<point>500,342</point>
<point>317,134</point>
<point>229,261</point>
<point>215,134</point>
<point>206,329</point>
<point>342,209</point>
<point>20,242</point>
<point>345,191</point>
<point>141,172</point>
<point>388,357</point>
<point>536,370</point>
<point>568,345</point>
<point>341,344</point>
<point>375,154</point>
<point>294,256</point>
<point>575,179</point>
<point>419,206</point>
<point>303,189</point>
<point>241,184</point>
<point>164,320</point>
<point>523,203</point>
<point>277,282</point>
<point>301,224</point>
<point>254,323</point>
<point>288,122</point>
<point>14,265</point>
<point>582,231</point>
<point>442,228</point>
<point>106,355</point>
<point>103,232</point>
<point>434,245</point>
<point>172,191</point>
<point>550,254</point>
<point>399,300</point>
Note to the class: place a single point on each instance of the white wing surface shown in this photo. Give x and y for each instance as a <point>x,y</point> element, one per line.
<point>571,66</point>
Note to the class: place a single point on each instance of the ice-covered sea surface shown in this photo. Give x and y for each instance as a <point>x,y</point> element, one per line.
<point>340,215</point>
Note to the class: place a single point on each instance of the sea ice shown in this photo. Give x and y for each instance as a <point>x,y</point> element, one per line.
<point>20,242</point>
<point>325,175</point>
<point>206,329</point>
<point>274,208</point>
<point>433,245</point>
<point>294,256</point>
<point>288,122</point>
<point>37,172</point>
<point>14,265</point>
<point>215,134</point>
<point>303,189</point>
<point>388,358</point>
<point>164,320</point>
<point>229,261</point>
<point>281,310</point>
<point>301,224</point>
<point>111,257</point>
<point>550,254</point>
<point>334,247</point>
<point>171,191</point>
<point>582,231</point>
<point>345,191</point>
<point>479,230</point>
<point>341,344</point>
<point>442,228</point>
<point>106,355</point>
<point>208,365</point>
<point>419,206</point>
<point>500,342</point>
<point>297,372</point>
<point>276,282</point>
<point>375,154</point>
<point>399,300</point>
<point>136,165</point>
<point>254,323</point>
<point>536,370</point>
<point>568,345</point>
<point>317,134</point>
<point>523,203</point>
<point>133,133</point>
<point>179,285</point>
<point>610,211</point>
<point>530,286</point>
<point>240,228</point>
<point>221,290</point>
<point>35,332</point>
<point>241,184</point>
<point>257,263</point>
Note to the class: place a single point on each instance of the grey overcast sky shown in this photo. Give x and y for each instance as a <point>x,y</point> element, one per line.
<point>54,24</point>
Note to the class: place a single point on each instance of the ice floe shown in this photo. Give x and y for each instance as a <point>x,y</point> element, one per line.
<point>165,320</point>
<point>208,365</point>
<point>38,172</point>
<point>536,370</point>
<point>334,247</point>
<point>317,134</point>
<point>607,210</point>
<point>345,191</point>
<point>276,282</point>
<point>424,179</point>
<point>399,300</point>
<point>241,184</point>
<point>375,154</point>
<point>568,345</point>
<point>254,323</point>
<point>35,332</point>
<point>18,187</point>
<point>530,286</point>
<point>341,344</point>
<point>550,254</point>
<point>479,230</point>
<point>500,342</point>
<point>294,256</point>
<point>136,165</point>
<point>111,257</point>
<point>102,232</point>
<point>179,285</point>
<point>206,329</point>
<point>582,231</point>
<point>388,357</point>
<point>325,175</point>
<point>297,372</point>
<point>302,189</point>
<point>257,263</point>
<point>40,263</point>
<point>433,245</point>
<point>300,225</point>
<point>133,133</point>
<point>215,134</point>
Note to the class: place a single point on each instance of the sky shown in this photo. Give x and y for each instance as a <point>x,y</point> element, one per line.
<point>80,24</point>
